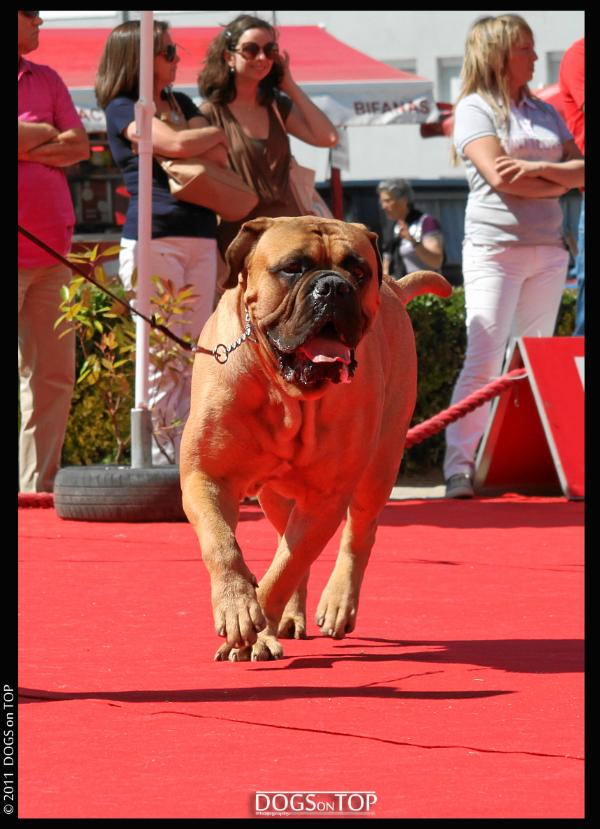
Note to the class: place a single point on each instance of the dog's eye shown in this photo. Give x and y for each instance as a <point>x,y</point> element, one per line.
<point>359,274</point>
<point>292,269</point>
<point>357,268</point>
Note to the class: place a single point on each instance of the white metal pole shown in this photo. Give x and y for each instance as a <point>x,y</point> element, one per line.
<point>144,110</point>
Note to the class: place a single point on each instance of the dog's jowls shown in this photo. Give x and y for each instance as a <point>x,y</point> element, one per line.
<point>309,414</point>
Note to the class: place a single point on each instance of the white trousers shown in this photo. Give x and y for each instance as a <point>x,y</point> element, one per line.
<point>185,261</point>
<point>510,291</point>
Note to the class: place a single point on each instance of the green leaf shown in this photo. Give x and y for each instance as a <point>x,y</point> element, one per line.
<point>112,251</point>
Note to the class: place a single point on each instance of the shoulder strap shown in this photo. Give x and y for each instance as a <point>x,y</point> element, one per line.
<point>275,109</point>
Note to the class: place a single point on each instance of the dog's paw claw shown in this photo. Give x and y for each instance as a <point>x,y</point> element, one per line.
<point>222,654</point>
<point>292,627</point>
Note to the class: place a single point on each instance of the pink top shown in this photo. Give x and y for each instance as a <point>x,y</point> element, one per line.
<point>45,207</point>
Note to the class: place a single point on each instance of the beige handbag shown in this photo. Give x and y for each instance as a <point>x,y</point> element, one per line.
<point>206,184</point>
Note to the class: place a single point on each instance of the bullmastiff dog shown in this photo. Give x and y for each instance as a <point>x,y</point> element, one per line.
<point>307,407</point>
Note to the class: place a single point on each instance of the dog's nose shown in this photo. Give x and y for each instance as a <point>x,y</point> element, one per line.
<point>331,285</point>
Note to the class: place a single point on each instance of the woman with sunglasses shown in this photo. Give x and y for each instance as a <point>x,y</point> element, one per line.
<point>183,247</point>
<point>251,95</point>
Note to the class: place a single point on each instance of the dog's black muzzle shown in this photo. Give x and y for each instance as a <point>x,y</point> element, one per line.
<point>329,286</point>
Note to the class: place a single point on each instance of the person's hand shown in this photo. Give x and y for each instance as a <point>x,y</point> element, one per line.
<point>404,232</point>
<point>284,61</point>
<point>512,169</point>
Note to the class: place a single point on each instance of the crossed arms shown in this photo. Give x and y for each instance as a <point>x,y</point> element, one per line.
<point>528,179</point>
<point>43,143</point>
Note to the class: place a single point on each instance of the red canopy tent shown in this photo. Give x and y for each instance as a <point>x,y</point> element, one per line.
<point>351,87</point>
<point>359,89</point>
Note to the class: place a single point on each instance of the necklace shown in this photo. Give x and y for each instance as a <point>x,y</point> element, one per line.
<point>174,114</point>
<point>170,117</point>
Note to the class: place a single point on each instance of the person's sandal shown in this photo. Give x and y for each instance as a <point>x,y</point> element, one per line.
<point>459,486</point>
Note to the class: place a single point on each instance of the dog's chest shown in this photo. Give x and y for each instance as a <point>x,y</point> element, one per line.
<point>299,448</point>
<point>291,434</point>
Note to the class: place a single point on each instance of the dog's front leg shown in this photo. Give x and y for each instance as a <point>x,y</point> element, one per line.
<point>213,512</point>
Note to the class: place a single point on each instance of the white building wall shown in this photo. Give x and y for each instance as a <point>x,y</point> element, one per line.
<point>433,41</point>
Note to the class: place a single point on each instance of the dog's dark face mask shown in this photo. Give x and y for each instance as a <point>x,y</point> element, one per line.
<point>314,339</point>
<point>318,300</point>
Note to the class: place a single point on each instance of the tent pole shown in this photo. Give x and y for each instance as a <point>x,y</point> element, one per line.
<point>337,194</point>
<point>141,428</point>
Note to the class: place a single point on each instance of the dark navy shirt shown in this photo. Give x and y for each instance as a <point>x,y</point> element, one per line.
<point>170,217</point>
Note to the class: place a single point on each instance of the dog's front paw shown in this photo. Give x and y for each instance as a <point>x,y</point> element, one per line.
<point>265,648</point>
<point>237,613</point>
<point>336,611</point>
<point>227,653</point>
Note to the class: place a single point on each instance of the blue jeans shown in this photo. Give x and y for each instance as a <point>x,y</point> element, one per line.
<point>580,273</point>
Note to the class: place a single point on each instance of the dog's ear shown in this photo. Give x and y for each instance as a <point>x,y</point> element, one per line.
<point>241,247</point>
<point>373,237</point>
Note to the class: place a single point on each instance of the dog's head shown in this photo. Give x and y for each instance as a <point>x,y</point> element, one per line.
<point>311,287</point>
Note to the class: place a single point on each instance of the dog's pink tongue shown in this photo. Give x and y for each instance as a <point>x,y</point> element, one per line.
<point>324,350</point>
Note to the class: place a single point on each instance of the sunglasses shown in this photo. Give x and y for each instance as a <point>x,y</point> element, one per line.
<point>169,53</point>
<point>30,15</point>
<point>249,51</point>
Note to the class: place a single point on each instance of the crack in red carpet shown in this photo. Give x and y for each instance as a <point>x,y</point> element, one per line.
<point>364,736</point>
<point>400,678</point>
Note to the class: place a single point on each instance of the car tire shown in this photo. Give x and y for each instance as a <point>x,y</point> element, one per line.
<point>118,493</point>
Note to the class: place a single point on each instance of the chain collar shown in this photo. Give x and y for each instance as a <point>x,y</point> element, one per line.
<point>221,351</point>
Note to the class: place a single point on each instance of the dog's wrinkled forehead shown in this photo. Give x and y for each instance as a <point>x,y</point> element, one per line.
<point>324,243</point>
<point>262,243</point>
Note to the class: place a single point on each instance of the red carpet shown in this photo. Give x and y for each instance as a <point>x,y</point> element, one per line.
<point>459,695</point>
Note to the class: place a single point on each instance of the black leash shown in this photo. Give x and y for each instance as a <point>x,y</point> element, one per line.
<point>151,321</point>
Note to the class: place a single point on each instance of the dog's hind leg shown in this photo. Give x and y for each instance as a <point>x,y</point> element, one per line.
<point>301,543</point>
<point>338,605</point>
<point>293,619</point>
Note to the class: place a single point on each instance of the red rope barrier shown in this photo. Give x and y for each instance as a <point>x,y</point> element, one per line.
<point>415,435</point>
<point>438,422</point>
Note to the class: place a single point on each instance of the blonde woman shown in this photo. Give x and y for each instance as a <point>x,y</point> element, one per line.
<point>519,158</point>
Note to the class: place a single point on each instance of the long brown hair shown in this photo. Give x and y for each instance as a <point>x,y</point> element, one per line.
<point>119,67</point>
<point>216,83</point>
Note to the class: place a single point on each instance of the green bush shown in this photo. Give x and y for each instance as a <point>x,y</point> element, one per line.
<point>90,436</point>
<point>440,337</point>
<point>98,430</point>
<point>96,436</point>
<point>99,424</point>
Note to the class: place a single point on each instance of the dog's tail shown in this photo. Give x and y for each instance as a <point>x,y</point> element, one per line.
<point>419,282</point>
